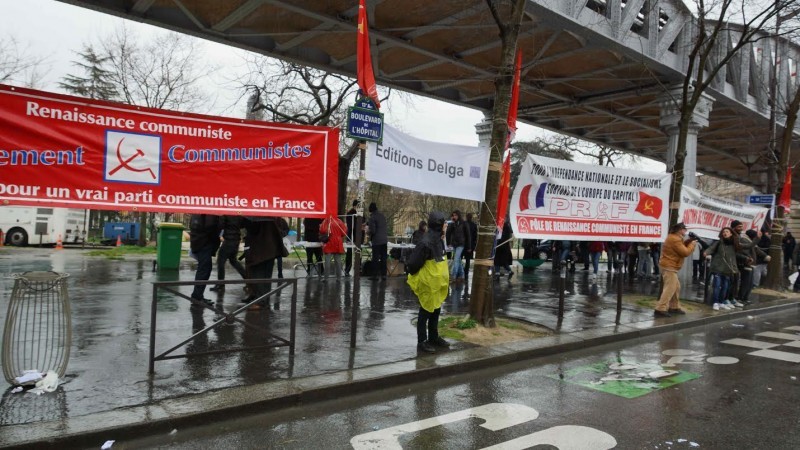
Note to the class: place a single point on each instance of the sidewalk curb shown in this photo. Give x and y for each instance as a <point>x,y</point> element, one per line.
<point>175,413</point>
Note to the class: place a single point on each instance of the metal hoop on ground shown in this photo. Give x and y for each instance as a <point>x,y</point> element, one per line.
<point>38,329</point>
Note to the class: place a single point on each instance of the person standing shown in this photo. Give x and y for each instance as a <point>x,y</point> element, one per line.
<point>788,250</point>
<point>379,240</point>
<point>350,220</point>
<point>673,253</point>
<point>643,251</point>
<point>229,250</point>
<point>429,279</point>
<point>724,267</point>
<point>314,252</point>
<point>469,252</point>
<point>595,251</point>
<point>760,269</point>
<point>334,248</point>
<point>458,238</point>
<point>611,255</point>
<point>264,242</point>
<point>502,255</point>
<point>204,242</point>
<point>751,253</point>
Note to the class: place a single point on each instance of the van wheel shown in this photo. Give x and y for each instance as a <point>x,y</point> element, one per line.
<point>543,256</point>
<point>17,237</point>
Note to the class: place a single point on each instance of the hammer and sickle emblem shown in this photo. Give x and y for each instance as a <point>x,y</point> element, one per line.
<point>123,163</point>
<point>648,205</point>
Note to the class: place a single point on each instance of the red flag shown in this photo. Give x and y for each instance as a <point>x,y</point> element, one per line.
<point>502,195</point>
<point>786,193</point>
<point>365,76</point>
<point>505,175</point>
<point>649,205</point>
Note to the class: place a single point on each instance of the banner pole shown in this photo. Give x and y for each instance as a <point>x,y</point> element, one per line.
<point>358,234</point>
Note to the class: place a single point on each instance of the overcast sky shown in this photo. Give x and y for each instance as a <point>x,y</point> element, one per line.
<point>57,30</point>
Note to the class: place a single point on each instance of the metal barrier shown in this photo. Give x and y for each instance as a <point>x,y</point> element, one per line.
<point>224,319</point>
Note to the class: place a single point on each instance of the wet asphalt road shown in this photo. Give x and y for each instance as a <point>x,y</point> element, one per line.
<point>739,394</point>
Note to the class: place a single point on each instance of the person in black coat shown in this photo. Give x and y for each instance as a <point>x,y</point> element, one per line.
<point>264,243</point>
<point>204,242</point>
<point>502,256</point>
<point>231,236</point>
<point>350,221</point>
<point>469,252</point>
<point>311,234</point>
<point>429,286</point>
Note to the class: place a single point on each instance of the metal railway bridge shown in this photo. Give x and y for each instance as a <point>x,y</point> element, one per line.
<point>595,69</point>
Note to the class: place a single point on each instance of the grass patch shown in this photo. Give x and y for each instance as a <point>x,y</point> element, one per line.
<point>509,325</point>
<point>122,251</point>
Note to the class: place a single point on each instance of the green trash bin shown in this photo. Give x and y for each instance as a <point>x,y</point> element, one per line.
<point>168,245</point>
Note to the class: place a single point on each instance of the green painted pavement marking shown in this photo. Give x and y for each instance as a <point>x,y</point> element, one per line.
<point>588,376</point>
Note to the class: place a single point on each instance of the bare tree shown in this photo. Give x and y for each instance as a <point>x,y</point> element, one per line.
<point>780,156</point>
<point>163,71</point>
<point>289,92</point>
<point>707,54</point>
<point>507,15</point>
<point>547,147</point>
<point>18,65</point>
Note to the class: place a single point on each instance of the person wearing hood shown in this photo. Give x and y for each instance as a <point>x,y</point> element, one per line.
<point>429,278</point>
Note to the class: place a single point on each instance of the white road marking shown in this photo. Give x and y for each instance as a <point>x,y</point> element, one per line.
<point>775,354</point>
<point>794,328</point>
<point>777,335</point>
<point>722,360</point>
<point>497,416</point>
<point>677,352</point>
<point>567,437</point>
<point>795,344</point>
<point>750,343</point>
<point>693,359</point>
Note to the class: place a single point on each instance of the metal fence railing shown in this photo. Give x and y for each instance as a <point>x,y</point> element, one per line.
<point>223,318</point>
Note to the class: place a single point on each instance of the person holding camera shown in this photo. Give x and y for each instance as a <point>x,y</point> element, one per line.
<point>673,253</point>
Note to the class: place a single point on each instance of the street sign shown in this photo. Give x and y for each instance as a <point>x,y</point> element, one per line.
<point>365,103</point>
<point>767,199</point>
<point>363,123</point>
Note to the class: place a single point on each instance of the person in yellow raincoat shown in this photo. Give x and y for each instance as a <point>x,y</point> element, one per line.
<point>429,278</point>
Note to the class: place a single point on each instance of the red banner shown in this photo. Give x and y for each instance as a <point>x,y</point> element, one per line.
<point>63,151</point>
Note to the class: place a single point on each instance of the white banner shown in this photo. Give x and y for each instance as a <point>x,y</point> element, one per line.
<point>557,199</point>
<point>449,170</point>
<point>706,215</point>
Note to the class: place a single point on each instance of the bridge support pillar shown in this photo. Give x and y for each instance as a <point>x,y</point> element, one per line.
<point>484,131</point>
<point>670,104</point>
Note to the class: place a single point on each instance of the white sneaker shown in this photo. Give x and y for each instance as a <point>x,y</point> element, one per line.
<point>738,304</point>
<point>727,305</point>
<point>716,306</point>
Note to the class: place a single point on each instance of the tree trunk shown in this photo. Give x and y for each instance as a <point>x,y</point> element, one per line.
<point>774,278</point>
<point>677,170</point>
<point>481,306</point>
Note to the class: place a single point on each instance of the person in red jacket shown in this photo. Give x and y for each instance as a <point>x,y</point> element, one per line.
<point>336,230</point>
<point>595,251</point>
